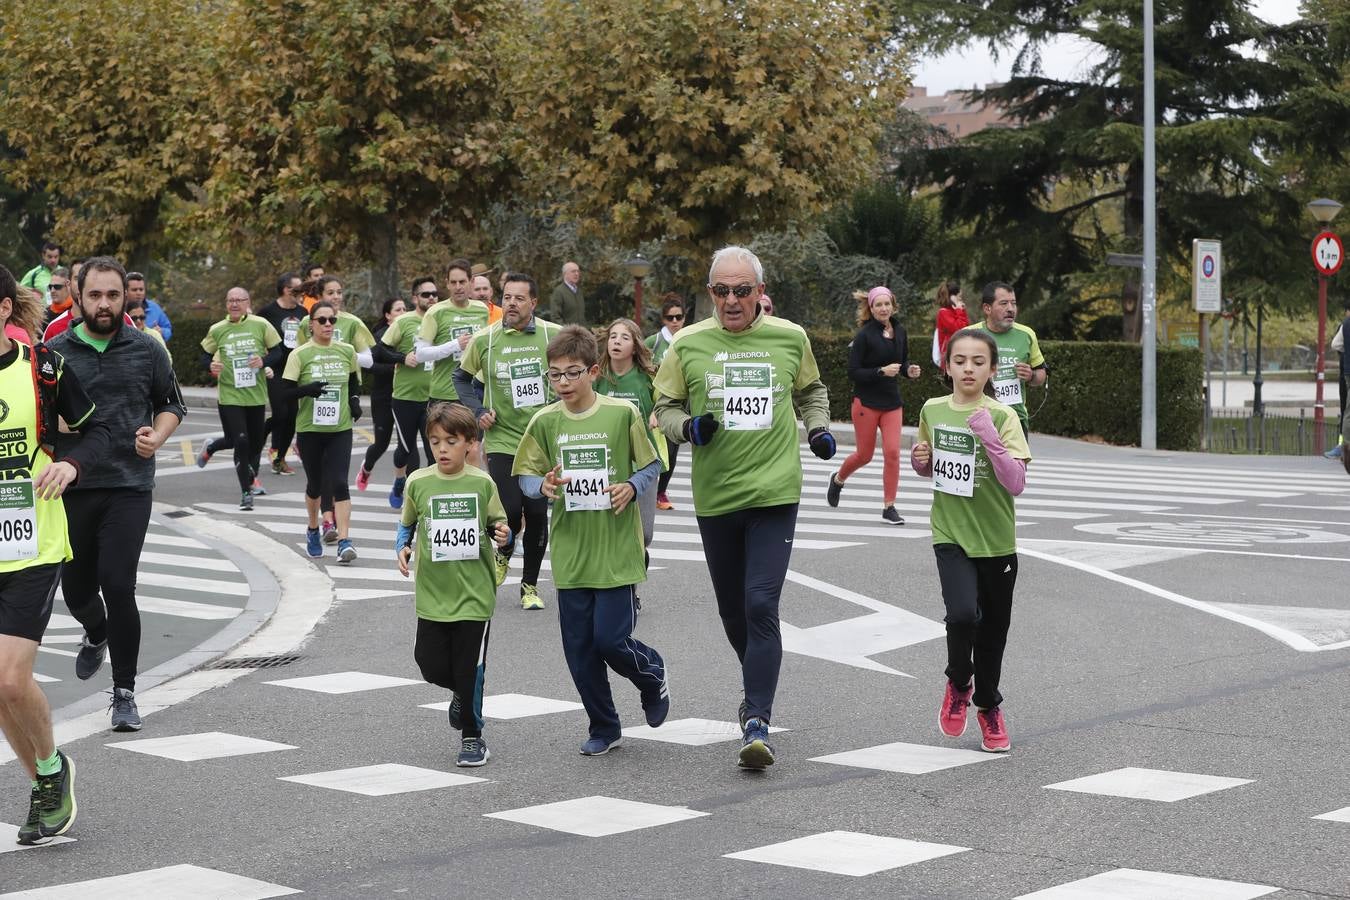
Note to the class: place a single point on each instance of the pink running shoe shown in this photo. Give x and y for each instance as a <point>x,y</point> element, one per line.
<point>362,478</point>
<point>955,706</point>
<point>994,731</point>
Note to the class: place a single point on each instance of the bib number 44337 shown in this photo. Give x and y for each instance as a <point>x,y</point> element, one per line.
<point>747,396</point>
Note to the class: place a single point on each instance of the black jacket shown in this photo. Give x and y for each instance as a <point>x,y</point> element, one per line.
<point>870,351</point>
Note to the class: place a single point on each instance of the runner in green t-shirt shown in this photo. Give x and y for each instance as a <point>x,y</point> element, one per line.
<point>412,383</point>
<point>322,374</point>
<point>591,456</point>
<point>239,349</point>
<point>501,378</point>
<point>673,318</point>
<point>1020,363</point>
<point>446,330</point>
<point>974,449</point>
<point>457,575</point>
<point>727,385</point>
<point>626,372</point>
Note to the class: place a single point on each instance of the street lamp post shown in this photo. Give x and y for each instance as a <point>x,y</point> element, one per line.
<point>1324,211</point>
<point>639,267</point>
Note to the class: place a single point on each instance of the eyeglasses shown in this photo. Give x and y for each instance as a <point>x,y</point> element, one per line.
<point>324,320</point>
<point>678,317</point>
<point>741,290</point>
<point>570,375</point>
<point>428,294</point>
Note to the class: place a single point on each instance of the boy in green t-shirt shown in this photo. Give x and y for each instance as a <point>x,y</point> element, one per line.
<point>590,455</point>
<point>457,577</point>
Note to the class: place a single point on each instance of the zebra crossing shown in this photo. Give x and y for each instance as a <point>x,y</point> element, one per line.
<point>185,591</point>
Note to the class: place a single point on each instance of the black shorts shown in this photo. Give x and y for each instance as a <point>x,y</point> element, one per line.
<point>26,600</point>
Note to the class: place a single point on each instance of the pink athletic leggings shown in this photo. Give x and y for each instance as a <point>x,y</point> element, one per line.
<point>866,421</point>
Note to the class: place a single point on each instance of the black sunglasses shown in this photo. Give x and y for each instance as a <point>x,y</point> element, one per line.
<point>428,293</point>
<point>679,317</point>
<point>138,318</point>
<point>741,290</point>
<point>57,285</point>
<point>325,320</point>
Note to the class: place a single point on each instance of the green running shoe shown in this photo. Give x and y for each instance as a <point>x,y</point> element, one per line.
<point>56,799</point>
<point>529,597</point>
<point>30,832</point>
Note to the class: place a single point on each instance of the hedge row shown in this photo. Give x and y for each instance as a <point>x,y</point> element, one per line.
<point>1093,389</point>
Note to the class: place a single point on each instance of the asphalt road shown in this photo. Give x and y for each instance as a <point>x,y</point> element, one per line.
<point>1180,636</point>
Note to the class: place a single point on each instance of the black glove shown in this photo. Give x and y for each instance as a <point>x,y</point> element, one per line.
<point>354,404</point>
<point>313,389</point>
<point>822,442</point>
<point>700,430</point>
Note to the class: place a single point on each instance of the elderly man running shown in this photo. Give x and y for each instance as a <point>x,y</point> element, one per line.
<point>727,386</point>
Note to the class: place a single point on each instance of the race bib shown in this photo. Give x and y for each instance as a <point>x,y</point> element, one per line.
<point>452,527</point>
<point>428,366</point>
<point>18,521</point>
<point>748,396</point>
<point>290,333</point>
<point>527,384</point>
<point>328,407</point>
<point>244,375</point>
<point>588,467</point>
<point>1008,391</point>
<point>953,461</point>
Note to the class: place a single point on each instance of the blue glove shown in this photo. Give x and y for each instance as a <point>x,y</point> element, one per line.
<point>822,443</point>
<point>699,431</point>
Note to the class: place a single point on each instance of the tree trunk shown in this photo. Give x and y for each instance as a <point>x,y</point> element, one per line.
<point>1132,313</point>
<point>383,244</point>
<point>143,235</point>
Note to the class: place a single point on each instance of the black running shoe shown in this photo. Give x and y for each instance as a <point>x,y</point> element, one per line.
<point>125,715</point>
<point>90,658</point>
<point>30,832</point>
<point>832,493</point>
<point>891,517</point>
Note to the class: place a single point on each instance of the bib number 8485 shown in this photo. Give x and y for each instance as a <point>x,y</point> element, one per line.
<point>528,389</point>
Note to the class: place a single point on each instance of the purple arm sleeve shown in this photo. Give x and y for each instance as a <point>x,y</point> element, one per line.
<point>1010,472</point>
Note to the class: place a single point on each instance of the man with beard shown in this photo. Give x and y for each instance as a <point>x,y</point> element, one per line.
<point>128,376</point>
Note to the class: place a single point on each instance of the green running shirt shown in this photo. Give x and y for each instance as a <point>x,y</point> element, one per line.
<point>442,322</point>
<point>511,365</point>
<point>308,363</point>
<point>1016,345</point>
<point>603,446</point>
<point>410,382</point>
<point>240,385</point>
<point>982,524</point>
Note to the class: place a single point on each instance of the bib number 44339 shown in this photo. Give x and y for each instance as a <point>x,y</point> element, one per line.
<point>954,462</point>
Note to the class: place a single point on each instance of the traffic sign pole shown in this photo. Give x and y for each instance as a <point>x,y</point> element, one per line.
<point>1328,254</point>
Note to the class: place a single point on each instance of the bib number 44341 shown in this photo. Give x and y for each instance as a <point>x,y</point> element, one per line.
<point>588,469</point>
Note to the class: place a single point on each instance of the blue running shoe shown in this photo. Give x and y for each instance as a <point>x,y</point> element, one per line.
<point>346,552</point>
<point>313,543</point>
<point>1335,452</point>
<point>396,494</point>
<point>756,754</point>
<point>599,746</point>
<point>473,752</point>
<point>657,706</point>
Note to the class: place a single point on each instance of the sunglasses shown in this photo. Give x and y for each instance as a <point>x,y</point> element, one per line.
<point>138,318</point>
<point>428,294</point>
<point>678,317</point>
<point>325,320</point>
<point>741,290</point>
<point>58,285</point>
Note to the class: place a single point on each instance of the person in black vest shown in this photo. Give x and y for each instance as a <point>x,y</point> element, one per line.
<point>1338,342</point>
<point>877,358</point>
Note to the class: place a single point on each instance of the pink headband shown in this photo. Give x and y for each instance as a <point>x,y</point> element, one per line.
<point>878,291</point>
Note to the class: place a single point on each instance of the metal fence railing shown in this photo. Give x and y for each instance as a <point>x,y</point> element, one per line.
<point>1290,432</point>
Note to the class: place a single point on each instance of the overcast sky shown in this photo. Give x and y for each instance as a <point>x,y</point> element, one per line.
<point>974,68</point>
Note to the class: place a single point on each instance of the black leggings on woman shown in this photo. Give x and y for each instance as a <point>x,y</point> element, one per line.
<point>327,458</point>
<point>245,432</point>
<point>410,421</point>
<point>672,450</point>
<point>382,418</point>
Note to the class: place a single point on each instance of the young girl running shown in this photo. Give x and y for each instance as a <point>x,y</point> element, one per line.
<point>975,451</point>
<point>626,372</point>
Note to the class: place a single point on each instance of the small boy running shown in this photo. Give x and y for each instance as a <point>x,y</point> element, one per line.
<point>457,569</point>
<point>975,450</point>
<point>591,455</point>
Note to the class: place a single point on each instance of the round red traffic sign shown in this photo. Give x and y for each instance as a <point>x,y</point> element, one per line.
<point>1328,253</point>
